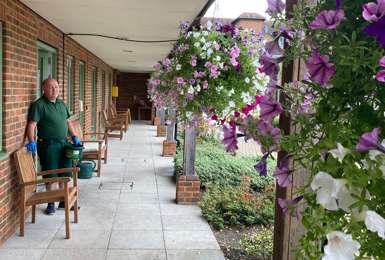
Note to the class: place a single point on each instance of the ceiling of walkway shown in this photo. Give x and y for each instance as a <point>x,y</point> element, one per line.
<point>148,20</point>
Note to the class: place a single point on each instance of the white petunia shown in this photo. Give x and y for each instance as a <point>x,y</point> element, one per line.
<point>246,97</point>
<point>231,104</point>
<point>196,34</point>
<point>324,185</point>
<point>247,80</point>
<point>197,44</point>
<point>198,88</point>
<point>218,58</point>
<point>178,67</point>
<point>375,223</point>
<point>340,152</point>
<point>205,33</point>
<point>203,40</point>
<point>219,88</point>
<point>332,193</point>
<point>344,197</point>
<point>191,90</point>
<point>340,246</point>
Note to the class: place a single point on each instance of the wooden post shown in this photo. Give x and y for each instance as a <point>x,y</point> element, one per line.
<point>171,125</point>
<point>189,151</point>
<point>188,184</point>
<point>169,145</point>
<point>287,229</point>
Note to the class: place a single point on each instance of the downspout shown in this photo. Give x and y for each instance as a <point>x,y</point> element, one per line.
<point>63,62</point>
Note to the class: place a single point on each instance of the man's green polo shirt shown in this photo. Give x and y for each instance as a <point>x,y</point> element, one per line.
<point>51,118</point>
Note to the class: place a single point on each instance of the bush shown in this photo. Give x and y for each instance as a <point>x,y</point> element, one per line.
<point>259,244</point>
<point>215,166</point>
<point>229,206</point>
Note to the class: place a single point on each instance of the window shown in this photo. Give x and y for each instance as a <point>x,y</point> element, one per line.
<point>70,84</point>
<point>47,59</point>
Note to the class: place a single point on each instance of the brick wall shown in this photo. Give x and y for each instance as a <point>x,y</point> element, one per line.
<point>22,29</point>
<point>132,88</point>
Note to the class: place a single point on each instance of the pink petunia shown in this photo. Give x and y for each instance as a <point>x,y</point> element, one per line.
<point>372,12</point>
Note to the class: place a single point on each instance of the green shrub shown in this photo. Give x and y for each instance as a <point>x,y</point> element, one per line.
<point>259,244</point>
<point>229,206</point>
<point>215,166</point>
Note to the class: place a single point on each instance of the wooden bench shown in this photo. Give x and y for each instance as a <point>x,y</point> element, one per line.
<point>125,115</point>
<point>30,197</point>
<point>93,149</point>
<point>111,125</point>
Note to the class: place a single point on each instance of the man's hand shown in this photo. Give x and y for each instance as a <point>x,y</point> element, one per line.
<point>76,141</point>
<point>31,147</point>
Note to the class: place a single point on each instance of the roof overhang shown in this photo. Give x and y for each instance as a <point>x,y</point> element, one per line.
<point>148,20</point>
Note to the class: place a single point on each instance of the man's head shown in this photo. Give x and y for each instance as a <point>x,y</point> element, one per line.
<point>51,89</point>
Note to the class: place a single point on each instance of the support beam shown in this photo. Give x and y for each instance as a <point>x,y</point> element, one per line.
<point>169,145</point>
<point>189,151</point>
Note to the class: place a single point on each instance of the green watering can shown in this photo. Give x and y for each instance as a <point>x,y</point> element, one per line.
<point>86,169</point>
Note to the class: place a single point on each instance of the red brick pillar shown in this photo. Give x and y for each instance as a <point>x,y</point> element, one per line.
<point>156,121</point>
<point>169,148</point>
<point>188,189</point>
<point>161,131</point>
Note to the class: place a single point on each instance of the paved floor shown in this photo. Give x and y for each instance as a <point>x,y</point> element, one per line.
<point>128,213</point>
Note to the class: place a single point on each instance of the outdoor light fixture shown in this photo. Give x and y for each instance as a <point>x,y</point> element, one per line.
<point>115,91</point>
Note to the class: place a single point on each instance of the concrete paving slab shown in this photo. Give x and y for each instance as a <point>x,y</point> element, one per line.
<point>136,239</point>
<point>75,254</point>
<point>146,254</point>
<point>21,254</point>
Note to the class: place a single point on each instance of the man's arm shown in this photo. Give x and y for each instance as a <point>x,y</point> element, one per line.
<point>31,126</point>
<point>71,128</point>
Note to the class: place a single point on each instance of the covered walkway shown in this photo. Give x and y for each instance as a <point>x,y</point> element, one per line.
<point>128,213</point>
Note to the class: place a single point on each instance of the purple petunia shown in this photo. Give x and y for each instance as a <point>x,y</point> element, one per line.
<point>269,66</point>
<point>266,128</point>
<point>319,67</point>
<point>261,166</point>
<point>328,19</point>
<point>275,7</point>
<point>282,173</point>
<point>377,30</point>
<point>269,109</point>
<point>370,141</point>
<point>286,205</point>
<point>230,138</point>
<point>273,48</point>
<point>373,11</point>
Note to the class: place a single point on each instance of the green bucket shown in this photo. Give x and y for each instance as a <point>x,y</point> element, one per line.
<point>86,169</point>
<point>73,152</point>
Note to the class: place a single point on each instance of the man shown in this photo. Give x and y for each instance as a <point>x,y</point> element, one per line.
<point>51,117</point>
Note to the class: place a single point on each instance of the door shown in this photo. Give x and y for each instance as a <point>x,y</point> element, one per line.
<point>93,97</point>
<point>81,93</point>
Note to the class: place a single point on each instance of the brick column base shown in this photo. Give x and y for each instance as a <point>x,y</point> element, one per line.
<point>156,121</point>
<point>188,189</point>
<point>161,131</point>
<point>169,148</point>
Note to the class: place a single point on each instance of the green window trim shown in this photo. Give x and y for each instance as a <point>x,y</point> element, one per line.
<point>70,84</point>
<point>1,88</point>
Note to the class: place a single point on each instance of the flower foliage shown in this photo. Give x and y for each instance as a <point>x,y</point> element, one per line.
<point>338,113</point>
<point>213,70</point>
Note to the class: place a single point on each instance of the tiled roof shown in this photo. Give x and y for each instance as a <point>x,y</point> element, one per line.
<point>252,16</point>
